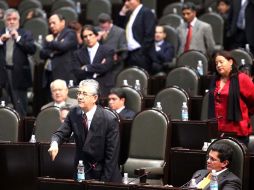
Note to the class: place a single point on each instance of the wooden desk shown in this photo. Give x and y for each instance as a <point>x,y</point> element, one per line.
<point>18,166</point>
<point>193,134</point>
<point>61,184</point>
<point>62,167</point>
<point>184,162</point>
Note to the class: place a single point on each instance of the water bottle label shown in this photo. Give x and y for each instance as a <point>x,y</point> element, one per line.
<point>81,176</point>
<point>214,186</point>
<point>185,116</point>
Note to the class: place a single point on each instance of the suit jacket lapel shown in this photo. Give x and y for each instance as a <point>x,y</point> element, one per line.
<point>97,56</point>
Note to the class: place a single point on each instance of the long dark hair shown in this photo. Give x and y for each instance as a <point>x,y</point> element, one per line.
<point>227,55</point>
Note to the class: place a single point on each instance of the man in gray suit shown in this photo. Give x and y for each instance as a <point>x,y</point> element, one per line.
<point>114,37</point>
<point>194,34</point>
<point>59,93</point>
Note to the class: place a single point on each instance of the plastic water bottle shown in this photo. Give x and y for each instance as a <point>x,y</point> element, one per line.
<point>158,106</point>
<point>242,61</point>
<point>78,7</point>
<point>125,82</point>
<point>32,139</point>
<point>185,115</point>
<point>247,47</point>
<point>40,39</point>
<point>193,183</point>
<point>71,83</point>
<point>205,146</point>
<point>3,103</point>
<point>200,68</point>
<point>125,178</point>
<point>81,171</point>
<point>214,181</point>
<point>137,85</point>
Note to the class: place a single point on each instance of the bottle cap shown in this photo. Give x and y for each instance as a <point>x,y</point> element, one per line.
<point>80,161</point>
<point>125,175</point>
<point>137,81</point>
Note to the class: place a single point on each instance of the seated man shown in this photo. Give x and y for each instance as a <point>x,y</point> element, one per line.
<point>164,50</point>
<point>59,93</point>
<point>116,101</point>
<point>219,159</point>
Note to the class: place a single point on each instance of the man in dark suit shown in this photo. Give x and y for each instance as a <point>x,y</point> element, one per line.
<point>139,26</point>
<point>219,159</point>
<point>249,27</point>
<point>114,37</point>
<point>94,61</point>
<point>57,51</point>
<point>96,134</point>
<point>116,102</point>
<point>164,50</point>
<point>15,74</point>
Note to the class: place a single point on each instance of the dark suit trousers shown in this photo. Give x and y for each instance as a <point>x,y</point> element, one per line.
<point>138,58</point>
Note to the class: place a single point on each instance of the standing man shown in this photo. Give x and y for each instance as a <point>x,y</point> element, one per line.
<point>15,74</point>
<point>96,134</point>
<point>219,159</point>
<point>57,51</point>
<point>194,34</point>
<point>114,37</point>
<point>140,28</point>
<point>94,61</point>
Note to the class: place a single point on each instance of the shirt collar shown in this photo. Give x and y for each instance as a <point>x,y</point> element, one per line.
<point>193,22</point>
<point>159,43</point>
<point>94,48</point>
<point>135,12</point>
<point>120,109</point>
<point>90,113</point>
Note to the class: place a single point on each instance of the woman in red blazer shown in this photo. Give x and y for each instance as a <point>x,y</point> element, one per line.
<point>231,98</point>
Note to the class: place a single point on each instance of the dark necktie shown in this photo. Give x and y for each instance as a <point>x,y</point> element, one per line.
<point>85,124</point>
<point>188,38</point>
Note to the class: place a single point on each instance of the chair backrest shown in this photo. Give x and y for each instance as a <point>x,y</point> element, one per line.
<point>172,99</point>
<point>37,11</point>
<point>62,3</point>
<point>171,19</point>
<point>134,100</point>
<point>9,124</point>
<point>217,23</point>
<point>204,109</point>
<point>113,113</point>
<point>38,26</point>
<point>46,123</point>
<point>151,4</point>
<point>95,7</point>
<point>240,160</point>
<point>172,37</point>
<point>72,92</point>
<point>191,58</point>
<point>4,5</point>
<point>69,13</point>
<point>153,125</point>
<point>184,77</point>
<point>132,74</point>
<point>239,54</point>
<point>175,8</point>
<point>28,4</point>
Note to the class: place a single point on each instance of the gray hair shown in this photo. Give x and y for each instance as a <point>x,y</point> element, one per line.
<point>58,82</point>
<point>93,84</point>
<point>10,11</point>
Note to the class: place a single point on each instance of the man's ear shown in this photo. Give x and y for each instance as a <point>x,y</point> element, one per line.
<point>225,163</point>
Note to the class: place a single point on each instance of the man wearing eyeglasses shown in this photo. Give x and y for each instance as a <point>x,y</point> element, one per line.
<point>94,61</point>
<point>96,133</point>
<point>219,159</point>
<point>116,102</point>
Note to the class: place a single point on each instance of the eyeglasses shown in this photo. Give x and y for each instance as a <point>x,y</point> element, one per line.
<point>85,94</point>
<point>211,159</point>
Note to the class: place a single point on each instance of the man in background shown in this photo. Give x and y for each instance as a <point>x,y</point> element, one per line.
<point>59,93</point>
<point>16,45</point>
<point>194,34</point>
<point>116,102</point>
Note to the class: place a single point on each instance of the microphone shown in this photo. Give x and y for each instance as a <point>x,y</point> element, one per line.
<point>141,177</point>
<point>188,182</point>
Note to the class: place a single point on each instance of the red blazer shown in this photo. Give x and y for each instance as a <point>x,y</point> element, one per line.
<point>242,128</point>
